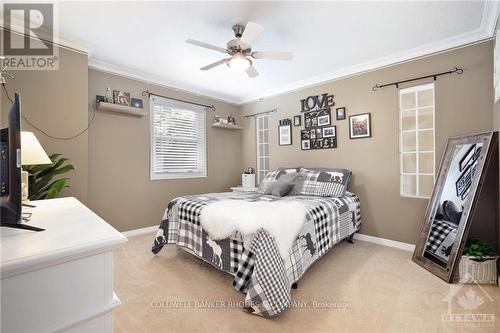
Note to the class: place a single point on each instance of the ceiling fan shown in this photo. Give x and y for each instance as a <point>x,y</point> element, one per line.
<point>240,50</point>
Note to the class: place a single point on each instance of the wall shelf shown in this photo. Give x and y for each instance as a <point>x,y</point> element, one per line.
<point>128,110</point>
<point>227,126</point>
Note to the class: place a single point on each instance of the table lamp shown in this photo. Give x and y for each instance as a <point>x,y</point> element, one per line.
<point>32,153</point>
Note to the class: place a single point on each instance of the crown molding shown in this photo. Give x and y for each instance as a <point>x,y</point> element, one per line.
<point>484,32</point>
<point>146,78</point>
<point>428,50</point>
<point>490,17</point>
<point>56,37</point>
<point>459,41</point>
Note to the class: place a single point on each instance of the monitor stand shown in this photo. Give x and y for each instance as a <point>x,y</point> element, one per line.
<point>9,220</point>
<point>21,226</point>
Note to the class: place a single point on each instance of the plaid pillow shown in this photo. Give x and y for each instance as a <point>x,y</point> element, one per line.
<point>267,181</point>
<point>272,176</point>
<point>322,182</point>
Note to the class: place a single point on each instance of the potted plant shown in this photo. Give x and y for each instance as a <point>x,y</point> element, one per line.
<point>478,263</point>
<point>42,184</point>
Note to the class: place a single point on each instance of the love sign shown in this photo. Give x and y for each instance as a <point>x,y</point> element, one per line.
<point>316,102</point>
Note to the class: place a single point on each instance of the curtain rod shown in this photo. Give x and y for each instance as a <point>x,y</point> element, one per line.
<point>397,83</point>
<point>148,93</point>
<point>264,112</point>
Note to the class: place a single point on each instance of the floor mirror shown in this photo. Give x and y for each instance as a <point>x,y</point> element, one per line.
<point>468,172</point>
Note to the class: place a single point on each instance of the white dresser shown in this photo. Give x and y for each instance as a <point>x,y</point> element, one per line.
<point>60,279</point>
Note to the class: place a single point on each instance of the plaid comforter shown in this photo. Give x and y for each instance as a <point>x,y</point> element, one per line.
<point>258,268</point>
<point>441,239</point>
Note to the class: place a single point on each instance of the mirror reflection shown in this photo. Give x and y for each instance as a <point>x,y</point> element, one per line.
<point>455,192</point>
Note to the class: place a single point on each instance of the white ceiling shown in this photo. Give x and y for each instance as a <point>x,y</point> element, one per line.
<point>146,40</point>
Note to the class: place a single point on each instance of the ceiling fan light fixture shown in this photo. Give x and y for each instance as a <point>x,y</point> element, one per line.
<point>239,62</point>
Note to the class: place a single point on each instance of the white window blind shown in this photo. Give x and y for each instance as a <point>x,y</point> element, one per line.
<point>178,141</point>
<point>262,142</point>
<point>417,141</point>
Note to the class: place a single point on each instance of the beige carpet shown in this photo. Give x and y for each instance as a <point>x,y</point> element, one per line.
<point>363,288</point>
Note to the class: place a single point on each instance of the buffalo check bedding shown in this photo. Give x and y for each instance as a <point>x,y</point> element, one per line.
<point>441,239</point>
<point>259,270</point>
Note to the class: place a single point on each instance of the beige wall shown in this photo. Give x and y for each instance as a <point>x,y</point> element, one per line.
<point>112,160</point>
<point>463,106</point>
<point>119,187</point>
<point>56,101</point>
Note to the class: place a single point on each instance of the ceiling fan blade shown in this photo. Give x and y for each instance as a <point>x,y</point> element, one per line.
<point>215,64</point>
<point>252,31</point>
<point>206,45</point>
<point>273,55</point>
<point>252,72</point>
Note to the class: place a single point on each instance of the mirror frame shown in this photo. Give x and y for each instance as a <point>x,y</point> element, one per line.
<point>490,140</point>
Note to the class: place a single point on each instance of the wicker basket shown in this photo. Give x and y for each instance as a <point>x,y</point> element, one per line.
<point>483,272</point>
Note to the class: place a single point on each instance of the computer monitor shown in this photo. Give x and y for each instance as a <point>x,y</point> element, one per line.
<point>11,193</point>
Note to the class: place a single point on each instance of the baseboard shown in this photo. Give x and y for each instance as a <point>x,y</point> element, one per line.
<point>385,242</point>
<point>141,231</point>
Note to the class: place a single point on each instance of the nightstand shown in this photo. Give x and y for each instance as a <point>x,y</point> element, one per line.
<point>244,189</point>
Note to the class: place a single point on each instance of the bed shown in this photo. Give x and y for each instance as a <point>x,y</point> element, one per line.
<point>259,271</point>
<point>443,232</point>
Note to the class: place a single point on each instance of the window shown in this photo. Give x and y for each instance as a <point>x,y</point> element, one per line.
<point>178,147</point>
<point>416,141</point>
<point>262,135</point>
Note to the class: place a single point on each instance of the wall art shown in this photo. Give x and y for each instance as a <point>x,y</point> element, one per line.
<point>340,113</point>
<point>319,138</point>
<point>360,126</point>
<point>285,132</point>
<point>297,120</point>
<point>317,102</point>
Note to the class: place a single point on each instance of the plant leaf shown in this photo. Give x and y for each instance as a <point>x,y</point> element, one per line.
<point>46,188</point>
<point>56,188</point>
<point>41,178</point>
<point>52,167</point>
<point>41,183</point>
<point>63,169</point>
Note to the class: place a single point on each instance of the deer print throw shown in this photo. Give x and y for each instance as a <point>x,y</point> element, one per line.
<point>282,220</point>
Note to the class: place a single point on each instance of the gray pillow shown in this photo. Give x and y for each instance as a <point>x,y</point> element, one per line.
<point>451,212</point>
<point>279,188</point>
<point>272,176</point>
<point>288,178</point>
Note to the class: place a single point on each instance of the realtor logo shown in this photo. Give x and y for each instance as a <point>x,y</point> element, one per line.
<point>469,306</point>
<point>28,36</point>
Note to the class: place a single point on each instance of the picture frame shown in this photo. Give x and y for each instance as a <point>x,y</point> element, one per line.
<point>304,135</point>
<point>340,113</point>
<point>469,158</point>
<point>285,135</point>
<point>297,120</point>
<point>121,97</point>
<point>306,145</point>
<point>311,118</point>
<point>328,132</point>
<point>360,126</point>
<point>137,103</point>
<point>324,120</point>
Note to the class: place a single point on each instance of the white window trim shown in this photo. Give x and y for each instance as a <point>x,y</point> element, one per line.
<point>257,143</point>
<point>416,130</point>
<point>175,175</point>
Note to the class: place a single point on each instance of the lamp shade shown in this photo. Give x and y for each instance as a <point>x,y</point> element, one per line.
<point>32,151</point>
